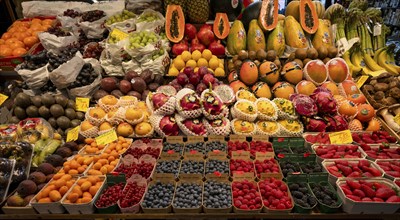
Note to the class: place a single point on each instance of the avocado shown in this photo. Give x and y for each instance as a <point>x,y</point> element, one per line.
<point>61,100</point>
<point>36,101</point>
<point>80,116</point>
<point>56,110</point>
<point>22,100</point>
<point>75,123</point>
<point>20,113</point>
<point>70,113</point>
<point>44,112</point>
<point>53,122</point>
<point>48,100</point>
<point>32,111</point>
<point>63,122</point>
<point>71,104</point>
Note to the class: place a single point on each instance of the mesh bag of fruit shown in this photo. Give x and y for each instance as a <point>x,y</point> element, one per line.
<point>267,110</point>
<point>244,110</point>
<point>188,103</point>
<point>218,126</point>
<point>92,23</point>
<point>191,127</point>
<point>67,72</point>
<point>150,20</point>
<point>88,90</point>
<point>55,44</point>
<point>160,103</point>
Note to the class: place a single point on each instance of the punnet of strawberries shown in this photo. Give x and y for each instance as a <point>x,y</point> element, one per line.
<point>237,146</point>
<point>369,191</point>
<point>260,146</point>
<point>246,195</point>
<point>383,151</point>
<point>376,137</point>
<point>391,168</point>
<point>337,151</point>
<point>275,194</point>
<point>356,168</point>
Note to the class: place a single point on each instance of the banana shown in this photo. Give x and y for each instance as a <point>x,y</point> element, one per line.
<point>390,58</point>
<point>371,63</point>
<point>383,62</point>
<point>353,69</point>
<point>376,54</point>
<point>356,59</point>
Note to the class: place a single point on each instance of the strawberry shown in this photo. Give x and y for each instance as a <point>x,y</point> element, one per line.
<point>374,171</point>
<point>363,163</point>
<point>366,199</point>
<point>393,199</point>
<point>393,173</point>
<point>359,193</point>
<point>342,162</point>
<point>367,174</point>
<point>345,170</point>
<point>368,190</point>
<point>378,199</point>
<point>347,191</point>
<point>385,193</point>
<point>354,174</point>
<point>353,184</point>
<point>353,197</point>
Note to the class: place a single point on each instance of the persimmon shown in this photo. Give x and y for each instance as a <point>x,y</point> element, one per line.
<point>17,44</point>
<point>36,27</point>
<point>19,52</point>
<point>21,35</point>
<point>47,22</point>
<point>30,41</point>
<point>11,40</point>
<point>5,52</point>
<point>6,36</point>
<point>365,112</point>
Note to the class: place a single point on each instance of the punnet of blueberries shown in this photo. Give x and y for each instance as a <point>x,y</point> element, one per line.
<point>177,147</point>
<point>171,166</point>
<point>188,195</point>
<point>192,167</point>
<point>216,145</point>
<point>217,195</point>
<point>217,166</point>
<point>199,147</point>
<point>159,195</point>
<point>302,196</point>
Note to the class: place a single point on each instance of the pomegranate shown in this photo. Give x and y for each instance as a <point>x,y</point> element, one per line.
<point>217,48</point>
<point>190,31</point>
<point>206,36</point>
<point>178,48</point>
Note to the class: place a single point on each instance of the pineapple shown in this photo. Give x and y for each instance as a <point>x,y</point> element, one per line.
<point>198,11</point>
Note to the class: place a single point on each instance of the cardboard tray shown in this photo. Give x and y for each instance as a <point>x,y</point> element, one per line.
<point>352,207</point>
<point>188,210</point>
<point>110,181</point>
<point>300,178</point>
<point>167,209</point>
<point>238,210</point>
<point>384,172</point>
<point>322,178</point>
<point>376,146</point>
<point>214,175</point>
<point>320,159</point>
<point>218,210</point>
<point>216,139</point>
<point>268,210</point>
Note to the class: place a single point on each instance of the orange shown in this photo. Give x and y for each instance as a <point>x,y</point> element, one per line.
<point>63,190</point>
<point>70,183</point>
<point>86,200</point>
<point>87,195</point>
<point>86,185</point>
<point>81,169</point>
<point>17,44</point>
<point>11,40</point>
<point>39,196</point>
<point>97,166</point>
<point>59,183</point>
<point>36,21</point>
<point>80,181</point>
<point>77,190</point>
<point>93,179</point>
<point>95,172</point>
<point>44,200</point>
<point>6,36</point>
<point>30,41</point>
<point>5,52</point>
<point>46,191</point>
<point>57,176</point>
<point>104,170</point>
<point>110,168</point>
<point>89,140</point>
<point>2,41</point>
<point>73,197</point>
<point>55,195</point>
<point>93,190</point>
<point>19,52</point>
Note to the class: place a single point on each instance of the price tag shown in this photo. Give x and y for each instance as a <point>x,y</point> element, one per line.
<point>82,104</point>
<point>377,29</point>
<point>107,138</point>
<point>170,152</point>
<point>119,34</point>
<point>361,81</point>
<point>73,134</point>
<point>397,119</point>
<point>3,98</point>
<point>377,73</point>
<point>341,137</point>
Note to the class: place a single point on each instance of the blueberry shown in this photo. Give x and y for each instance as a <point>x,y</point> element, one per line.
<point>182,200</point>
<point>217,165</point>
<point>191,166</point>
<point>199,147</point>
<point>168,167</point>
<point>177,147</point>
<point>217,195</point>
<point>216,145</point>
<point>158,195</point>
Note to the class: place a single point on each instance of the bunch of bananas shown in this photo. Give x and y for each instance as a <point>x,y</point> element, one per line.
<point>361,62</point>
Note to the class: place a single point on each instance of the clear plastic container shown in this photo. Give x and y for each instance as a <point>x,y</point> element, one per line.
<point>6,169</point>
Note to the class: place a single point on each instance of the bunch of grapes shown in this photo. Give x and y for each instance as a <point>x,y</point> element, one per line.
<point>72,13</point>
<point>85,77</point>
<point>58,31</point>
<point>157,53</point>
<point>125,15</point>
<point>141,39</point>
<point>148,17</point>
<point>56,60</point>
<point>93,15</point>
<point>93,50</point>
<point>36,61</point>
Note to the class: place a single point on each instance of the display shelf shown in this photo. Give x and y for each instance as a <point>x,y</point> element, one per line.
<point>207,216</point>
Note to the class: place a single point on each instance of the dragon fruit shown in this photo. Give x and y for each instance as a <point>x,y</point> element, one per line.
<point>325,102</point>
<point>159,99</point>
<point>315,124</point>
<point>195,125</point>
<point>169,126</point>
<point>304,105</point>
<point>190,102</point>
<point>336,123</point>
<point>212,103</point>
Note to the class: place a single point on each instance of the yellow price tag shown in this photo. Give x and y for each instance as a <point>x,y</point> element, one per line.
<point>397,119</point>
<point>107,138</point>
<point>377,73</point>
<point>73,134</point>
<point>361,81</point>
<point>3,98</point>
<point>341,137</point>
<point>119,34</point>
<point>82,104</point>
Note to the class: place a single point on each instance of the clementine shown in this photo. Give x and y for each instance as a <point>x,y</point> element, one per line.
<point>5,52</point>
<point>30,41</point>
<point>19,52</point>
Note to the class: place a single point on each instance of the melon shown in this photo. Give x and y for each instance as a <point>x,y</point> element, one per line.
<point>305,87</point>
<point>283,90</point>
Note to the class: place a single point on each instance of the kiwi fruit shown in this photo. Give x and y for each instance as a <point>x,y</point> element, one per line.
<point>298,61</point>
<point>322,52</point>
<point>252,55</point>
<point>332,51</point>
<point>53,122</point>
<point>301,53</point>
<point>312,53</point>
<point>326,60</point>
<point>291,57</point>
<point>238,63</point>
<point>271,55</point>
<point>80,115</point>
<point>243,55</point>
<point>22,100</point>
<point>261,54</point>
<point>70,113</point>
<point>306,60</point>
<point>278,63</point>
<point>56,110</point>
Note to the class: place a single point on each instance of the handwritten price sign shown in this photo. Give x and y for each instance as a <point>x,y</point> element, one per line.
<point>341,137</point>
<point>3,98</point>
<point>73,134</point>
<point>106,138</point>
<point>82,104</point>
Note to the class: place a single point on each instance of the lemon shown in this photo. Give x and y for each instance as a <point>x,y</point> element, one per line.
<point>214,57</point>
<point>202,62</point>
<point>196,55</point>
<point>179,63</point>
<point>191,63</point>
<point>186,56</point>
<point>196,69</point>
<point>206,54</point>
<point>214,63</point>
<point>219,72</point>
<point>221,65</point>
<point>173,71</point>
<point>211,70</point>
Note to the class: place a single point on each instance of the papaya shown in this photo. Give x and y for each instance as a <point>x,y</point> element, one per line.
<point>276,39</point>
<point>251,12</point>
<point>292,9</point>
<point>308,16</point>
<point>294,35</point>
<point>174,23</point>
<point>268,18</point>
<point>255,37</point>
<point>236,38</point>
<point>221,25</point>
<point>323,36</point>
<point>320,8</point>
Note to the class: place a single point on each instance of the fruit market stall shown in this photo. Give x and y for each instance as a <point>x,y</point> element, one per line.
<point>213,109</point>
